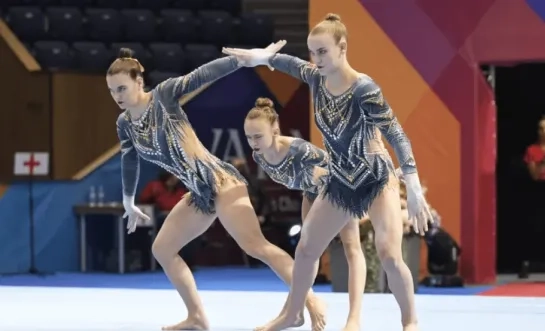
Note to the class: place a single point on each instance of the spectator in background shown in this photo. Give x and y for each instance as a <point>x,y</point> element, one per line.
<point>535,154</point>
<point>534,228</point>
<point>164,192</point>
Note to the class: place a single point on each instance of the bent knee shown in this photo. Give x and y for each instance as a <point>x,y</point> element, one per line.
<point>161,250</point>
<point>308,249</point>
<point>255,247</point>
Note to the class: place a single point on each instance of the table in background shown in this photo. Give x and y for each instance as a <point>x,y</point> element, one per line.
<point>116,210</point>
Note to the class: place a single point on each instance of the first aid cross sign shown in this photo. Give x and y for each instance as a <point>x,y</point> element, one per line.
<point>28,163</point>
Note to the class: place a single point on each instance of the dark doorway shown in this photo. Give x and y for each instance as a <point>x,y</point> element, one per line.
<point>520,99</point>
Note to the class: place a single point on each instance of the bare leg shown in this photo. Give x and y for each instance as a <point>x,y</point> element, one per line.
<point>305,207</point>
<point>385,214</point>
<point>323,222</point>
<point>239,219</point>
<point>350,236</point>
<point>182,225</point>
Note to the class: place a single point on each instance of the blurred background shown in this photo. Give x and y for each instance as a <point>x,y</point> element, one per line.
<point>464,78</point>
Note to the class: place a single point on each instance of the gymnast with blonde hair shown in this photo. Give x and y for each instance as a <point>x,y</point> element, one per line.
<point>300,165</point>
<point>154,127</point>
<point>352,114</point>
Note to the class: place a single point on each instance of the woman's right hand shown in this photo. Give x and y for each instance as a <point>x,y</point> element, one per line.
<point>135,216</point>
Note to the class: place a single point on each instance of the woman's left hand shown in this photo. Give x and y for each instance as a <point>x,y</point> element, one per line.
<point>417,206</point>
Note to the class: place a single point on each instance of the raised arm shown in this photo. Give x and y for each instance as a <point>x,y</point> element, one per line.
<point>175,88</point>
<point>377,110</point>
<point>295,67</point>
<point>130,161</point>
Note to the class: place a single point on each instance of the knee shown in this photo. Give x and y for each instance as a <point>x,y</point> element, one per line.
<point>307,249</point>
<point>161,251</point>
<point>389,253</point>
<point>255,247</point>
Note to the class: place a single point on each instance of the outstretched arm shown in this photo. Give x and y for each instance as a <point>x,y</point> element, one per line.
<point>175,88</point>
<point>288,64</point>
<point>130,162</point>
<point>375,108</point>
<point>294,67</point>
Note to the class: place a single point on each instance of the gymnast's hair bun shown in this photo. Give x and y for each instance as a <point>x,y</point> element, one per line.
<point>332,17</point>
<point>264,103</point>
<point>125,53</point>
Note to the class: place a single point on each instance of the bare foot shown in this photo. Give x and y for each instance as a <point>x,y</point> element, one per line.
<point>299,321</point>
<point>191,323</point>
<point>352,326</point>
<point>316,308</point>
<point>282,322</point>
<point>411,327</point>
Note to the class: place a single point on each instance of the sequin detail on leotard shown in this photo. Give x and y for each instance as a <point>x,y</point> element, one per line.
<point>164,136</point>
<point>351,125</point>
<point>296,170</point>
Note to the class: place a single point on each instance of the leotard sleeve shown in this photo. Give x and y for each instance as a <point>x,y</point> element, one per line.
<point>175,88</point>
<point>130,161</point>
<point>295,67</point>
<point>315,160</point>
<point>378,111</point>
<point>312,155</point>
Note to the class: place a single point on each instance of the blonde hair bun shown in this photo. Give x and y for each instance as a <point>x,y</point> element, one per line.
<point>264,103</point>
<point>332,17</point>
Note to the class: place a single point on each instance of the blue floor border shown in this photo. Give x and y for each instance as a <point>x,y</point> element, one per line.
<point>213,279</point>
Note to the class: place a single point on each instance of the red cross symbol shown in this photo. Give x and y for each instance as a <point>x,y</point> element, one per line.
<point>31,163</point>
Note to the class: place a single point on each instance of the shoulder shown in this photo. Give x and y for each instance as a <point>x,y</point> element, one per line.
<point>310,150</point>
<point>166,90</point>
<point>366,87</point>
<point>123,120</point>
<point>533,150</point>
<point>306,145</point>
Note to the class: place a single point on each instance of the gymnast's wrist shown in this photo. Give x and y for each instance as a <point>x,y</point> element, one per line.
<point>412,182</point>
<point>269,60</point>
<point>128,201</point>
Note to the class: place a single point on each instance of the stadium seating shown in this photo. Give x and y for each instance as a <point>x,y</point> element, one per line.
<point>170,37</point>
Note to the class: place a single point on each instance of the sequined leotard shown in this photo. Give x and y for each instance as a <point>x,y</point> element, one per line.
<point>164,136</point>
<point>296,170</point>
<point>351,125</point>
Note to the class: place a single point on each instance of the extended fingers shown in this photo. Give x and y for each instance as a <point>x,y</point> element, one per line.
<point>278,46</point>
<point>234,51</point>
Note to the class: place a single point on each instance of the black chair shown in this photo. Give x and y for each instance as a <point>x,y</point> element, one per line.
<point>65,23</point>
<point>28,23</point>
<point>54,55</point>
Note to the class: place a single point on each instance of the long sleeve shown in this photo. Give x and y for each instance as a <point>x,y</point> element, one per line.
<point>315,161</point>
<point>295,67</point>
<point>175,88</point>
<point>312,155</point>
<point>377,110</point>
<point>130,162</point>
